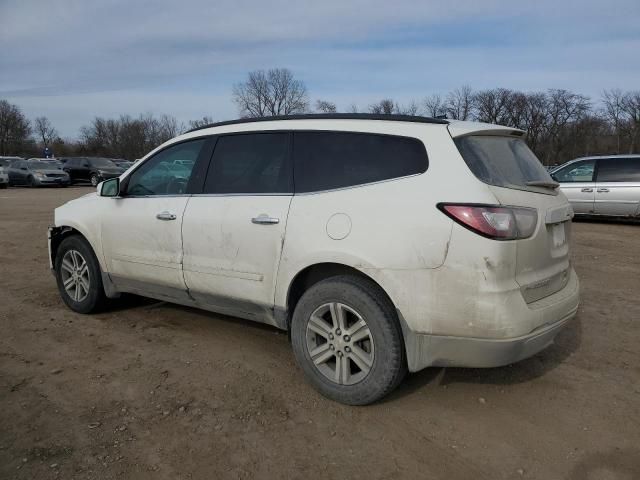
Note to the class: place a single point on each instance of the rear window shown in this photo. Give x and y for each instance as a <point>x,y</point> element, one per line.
<point>329,160</point>
<point>619,170</point>
<point>502,161</point>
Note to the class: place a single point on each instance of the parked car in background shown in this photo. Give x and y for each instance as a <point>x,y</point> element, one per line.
<point>5,162</point>
<point>37,172</point>
<point>122,163</point>
<point>399,243</point>
<point>91,169</point>
<point>603,185</point>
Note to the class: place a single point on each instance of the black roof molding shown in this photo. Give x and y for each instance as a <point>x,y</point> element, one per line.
<point>328,116</point>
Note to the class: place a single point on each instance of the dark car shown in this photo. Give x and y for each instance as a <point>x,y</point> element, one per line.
<point>122,163</point>
<point>37,172</point>
<point>91,169</point>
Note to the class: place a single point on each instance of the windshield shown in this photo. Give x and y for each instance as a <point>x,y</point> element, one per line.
<point>43,164</point>
<point>4,162</point>
<point>502,161</point>
<point>102,163</point>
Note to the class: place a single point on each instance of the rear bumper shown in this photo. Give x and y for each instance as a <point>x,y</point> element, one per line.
<point>425,350</point>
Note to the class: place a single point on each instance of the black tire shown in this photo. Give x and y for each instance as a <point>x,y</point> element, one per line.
<point>30,182</point>
<point>95,299</point>
<point>94,179</point>
<point>364,298</point>
<point>4,185</point>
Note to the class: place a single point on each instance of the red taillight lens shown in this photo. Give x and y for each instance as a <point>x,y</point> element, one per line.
<point>496,222</point>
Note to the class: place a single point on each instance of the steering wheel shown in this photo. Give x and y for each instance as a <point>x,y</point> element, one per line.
<point>177,186</point>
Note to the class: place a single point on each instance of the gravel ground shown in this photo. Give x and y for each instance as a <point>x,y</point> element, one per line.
<point>152,390</point>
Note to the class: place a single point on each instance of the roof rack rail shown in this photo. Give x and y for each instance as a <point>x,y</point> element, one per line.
<point>328,116</point>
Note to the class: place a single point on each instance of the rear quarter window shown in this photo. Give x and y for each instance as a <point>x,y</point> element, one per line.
<point>330,160</point>
<point>619,170</point>
<point>502,161</point>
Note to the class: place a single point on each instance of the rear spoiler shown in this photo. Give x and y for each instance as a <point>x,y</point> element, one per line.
<point>462,129</point>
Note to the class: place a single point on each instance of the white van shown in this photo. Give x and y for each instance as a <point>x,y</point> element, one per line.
<point>381,243</point>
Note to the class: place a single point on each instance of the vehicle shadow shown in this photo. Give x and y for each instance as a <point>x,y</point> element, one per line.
<point>608,220</point>
<point>565,344</point>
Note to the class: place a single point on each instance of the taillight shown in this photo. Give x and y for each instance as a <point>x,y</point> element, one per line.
<point>492,221</point>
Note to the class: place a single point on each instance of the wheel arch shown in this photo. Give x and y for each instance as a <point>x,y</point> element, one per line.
<point>317,272</point>
<point>59,233</point>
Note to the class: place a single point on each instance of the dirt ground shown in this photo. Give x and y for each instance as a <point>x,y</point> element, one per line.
<point>151,390</point>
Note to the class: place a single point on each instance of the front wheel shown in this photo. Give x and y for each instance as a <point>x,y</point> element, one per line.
<point>31,182</point>
<point>347,340</point>
<point>4,185</point>
<point>78,275</point>
<point>95,180</point>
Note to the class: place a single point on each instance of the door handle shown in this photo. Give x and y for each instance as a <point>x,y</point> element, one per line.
<point>587,190</point>
<point>603,190</point>
<point>166,216</point>
<point>264,219</point>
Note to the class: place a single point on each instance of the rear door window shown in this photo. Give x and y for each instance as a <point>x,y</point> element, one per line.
<point>252,163</point>
<point>576,172</point>
<point>502,161</point>
<point>330,160</point>
<point>619,170</point>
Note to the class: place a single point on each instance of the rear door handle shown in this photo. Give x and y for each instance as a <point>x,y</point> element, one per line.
<point>587,190</point>
<point>603,190</point>
<point>264,219</point>
<point>166,216</point>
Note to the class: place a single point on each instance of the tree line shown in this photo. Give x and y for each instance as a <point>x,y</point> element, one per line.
<point>560,124</point>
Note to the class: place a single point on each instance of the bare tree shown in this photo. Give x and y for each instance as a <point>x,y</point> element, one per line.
<point>564,108</point>
<point>324,106</point>
<point>201,122</point>
<point>492,105</point>
<point>128,137</point>
<point>614,111</point>
<point>536,120</point>
<point>14,128</point>
<point>459,103</point>
<point>631,106</point>
<point>270,93</point>
<point>434,106</point>
<point>385,106</point>
<point>412,108</point>
<point>44,130</point>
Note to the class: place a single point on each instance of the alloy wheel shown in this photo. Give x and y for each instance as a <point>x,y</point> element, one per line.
<point>340,343</point>
<point>74,272</point>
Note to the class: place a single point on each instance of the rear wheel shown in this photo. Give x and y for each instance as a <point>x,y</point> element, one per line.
<point>347,340</point>
<point>95,180</point>
<point>78,276</point>
<point>4,185</point>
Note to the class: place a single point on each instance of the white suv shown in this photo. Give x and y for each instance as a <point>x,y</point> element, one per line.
<point>381,243</point>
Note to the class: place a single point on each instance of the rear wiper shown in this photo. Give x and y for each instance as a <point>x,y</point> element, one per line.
<point>543,184</point>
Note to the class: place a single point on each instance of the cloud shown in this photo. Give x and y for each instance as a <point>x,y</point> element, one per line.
<point>73,59</point>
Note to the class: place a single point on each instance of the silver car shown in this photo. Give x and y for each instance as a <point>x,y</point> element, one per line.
<point>607,185</point>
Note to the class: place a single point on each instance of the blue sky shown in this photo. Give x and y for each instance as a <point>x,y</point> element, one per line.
<point>72,60</point>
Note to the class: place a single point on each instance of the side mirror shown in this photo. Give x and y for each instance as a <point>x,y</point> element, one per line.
<point>109,188</point>
<point>554,177</point>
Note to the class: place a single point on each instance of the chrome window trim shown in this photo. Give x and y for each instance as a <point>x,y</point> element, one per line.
<point>351,187</point>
